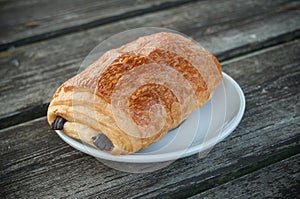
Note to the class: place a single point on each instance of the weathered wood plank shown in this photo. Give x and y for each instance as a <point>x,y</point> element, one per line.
<point>34,158</point>
<point>33,72</point>
<point>23,22</point>
<point>279,180</point>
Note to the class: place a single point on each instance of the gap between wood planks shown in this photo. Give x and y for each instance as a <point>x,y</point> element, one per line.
<point>40,110</point>
<point>93,24</point>
<point>280,179</point>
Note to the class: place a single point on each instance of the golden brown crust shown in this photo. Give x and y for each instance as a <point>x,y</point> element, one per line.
<point>111,75</point>
<point>145,97</point>
<point>117,95</point>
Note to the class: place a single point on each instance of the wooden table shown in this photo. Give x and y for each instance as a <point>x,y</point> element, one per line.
<point>43,42</point>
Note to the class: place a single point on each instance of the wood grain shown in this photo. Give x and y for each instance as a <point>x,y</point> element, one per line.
<point>28,21</point>
<point>33,158</point>
<point>278,180</point>
<point>31,74</point>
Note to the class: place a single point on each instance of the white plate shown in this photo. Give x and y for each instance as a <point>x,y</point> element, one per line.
<point>198,133</point>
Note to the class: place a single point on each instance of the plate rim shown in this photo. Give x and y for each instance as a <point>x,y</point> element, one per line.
<point>153,158</point>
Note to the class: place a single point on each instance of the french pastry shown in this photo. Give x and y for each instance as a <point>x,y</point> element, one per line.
<point>133,95</point>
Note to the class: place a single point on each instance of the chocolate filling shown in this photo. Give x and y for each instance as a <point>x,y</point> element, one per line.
<point>102,142</point>
<point>58,123</point>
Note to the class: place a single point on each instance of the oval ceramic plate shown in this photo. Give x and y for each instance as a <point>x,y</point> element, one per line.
<point>199,132</point>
